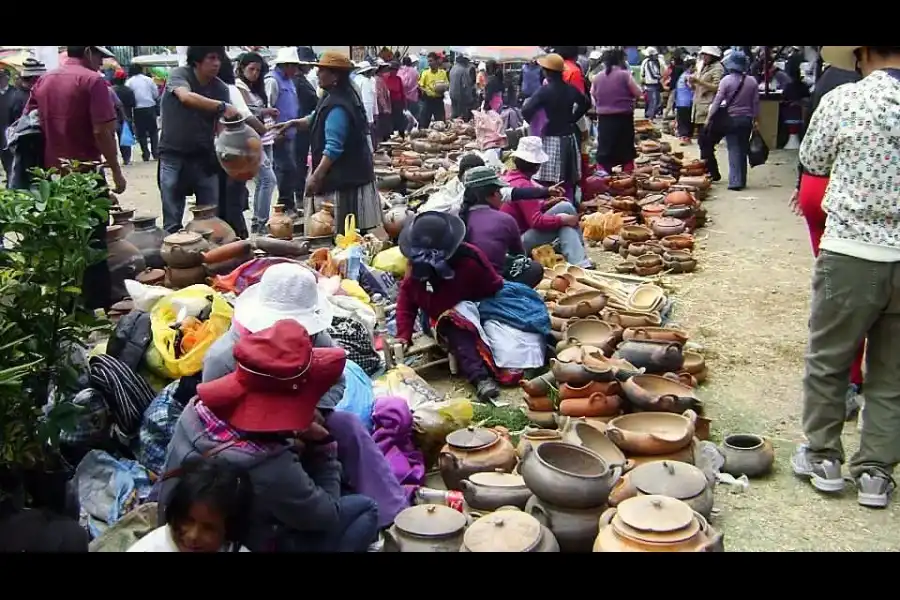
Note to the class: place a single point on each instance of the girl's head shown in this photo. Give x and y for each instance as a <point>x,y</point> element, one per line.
<point>252,70</point>
<point>467,162</point>
<point>529,169</point>
<point>209,507</point>
<point>613,57</point>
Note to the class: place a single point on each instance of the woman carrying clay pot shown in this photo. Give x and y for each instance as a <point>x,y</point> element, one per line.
<point>614,92</point>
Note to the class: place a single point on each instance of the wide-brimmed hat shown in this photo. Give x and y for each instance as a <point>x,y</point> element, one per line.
<point>287,55</point>
<point>736,61</point>
<point>364,66</point>
<point>381,64</point>
<point>306,55</point>
<point>279,380</point>
<point>531,149</point>
<point>552,62</point>
<point>334,60</point>
<point>432,231</point>
<point>32,67</point>
<point>842,57</point>
<point>481,177</point>
<point>285,291</point>
<point>711,51</point>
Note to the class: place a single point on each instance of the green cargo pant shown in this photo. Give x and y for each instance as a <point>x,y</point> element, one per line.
<point>852,299</point>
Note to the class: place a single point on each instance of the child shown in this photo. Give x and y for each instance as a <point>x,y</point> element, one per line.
<point>684,98</point>
<point>207,512</point>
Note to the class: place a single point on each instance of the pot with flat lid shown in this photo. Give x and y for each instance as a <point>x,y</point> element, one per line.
<point>656,519</point>
<point>472,438</point>
<point>508,531</point>
<point>426,528</point>
<point>669,478</point>
<point>474,450</point>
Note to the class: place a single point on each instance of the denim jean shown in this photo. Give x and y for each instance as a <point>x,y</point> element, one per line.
<point>357,529</point>
<point>265,183</point>
<point>570,240</point>
<point>178,176</point>
<point>284,155</point>
<point>654,100</point>
<point>737,139</point>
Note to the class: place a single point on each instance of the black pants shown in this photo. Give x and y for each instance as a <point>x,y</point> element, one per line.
<point>683,121</point>
<point>285,158</point>
<point>737,136</point>
<point>6,158</point>
<point>398,119</point>
<point>301,154</point>
<point>432,110</point>
<point>233,198</point>
<point>144,129</point>
<point>97,284</point>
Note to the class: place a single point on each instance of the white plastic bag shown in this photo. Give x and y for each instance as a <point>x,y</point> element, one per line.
<point>145,296</point>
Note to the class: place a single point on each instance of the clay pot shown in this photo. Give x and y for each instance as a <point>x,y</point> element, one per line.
<point>656,184</point>
<point>426,528</point>
<point>569,366</point>
<point>542,419</point>
<point>540,403</point>
<point>655,524</point>
<point>227,266</point>
<point>603,388</point>
<point>592,332</point>
<point>122,217</point>
<point>394,219</point>
<point>680,198</point>
<point>474,450</point>
<point>699,182</point>
<point>666,478</point>
<point>607,369</point>
<point>280,225</point>
<point>620,183</point>
<point>681,241</point>
<point>595,405</point>
<point>747,454</point>
<point>574,529</point>
<point>276,247</point>
<point>560,283</point>
<point>660,334</point>
<point>509,530</point>
<point>660,394</point>
<point>666,226</point>
<point>177,278</point>
<point>234,250</point>
<point>679,212</point>
<point>651,212</point>
<point>581,304</point>
<point>648,271</point>
<point>124,259</point>
<point>611,243</point>
<point>183,250</point>
<point>628,318</point>
<point>321,223</point>
<point>693,362</point>
<point>647,260</point>
<point>646,297</point>
<point>652,433</point>
<point>539,386</point>
<point>389,182</point>
<point>568,476</point>
<point>239,149</point>
<point>205,218</point>
<point>418,175</point>
<point>582,433</point>
<point>636,249</point>
<point>151,277</point>
<point>490,491</point>
<point>147,238</point>
<point>624,204</point>
<point>627,266</point>
<point>536,437</point>
<point>654,356</point>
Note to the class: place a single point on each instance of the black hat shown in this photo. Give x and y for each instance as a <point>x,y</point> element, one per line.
<point>432,231</point>
<point>306,54</point>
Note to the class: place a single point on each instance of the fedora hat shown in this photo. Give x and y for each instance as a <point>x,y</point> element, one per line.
<point>552,62</point>
<point>334,60</point>
<point>279,380</point>
<point>842,57</point>
<point>306,55</point>
<point>287,56</point>
<point>285,291</point>
<point>711,51</point>
<point>364,66</point>
<point>430,230</point>
<point>531,149</point>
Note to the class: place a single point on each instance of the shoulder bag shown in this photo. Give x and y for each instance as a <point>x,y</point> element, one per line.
<point>720,122</point>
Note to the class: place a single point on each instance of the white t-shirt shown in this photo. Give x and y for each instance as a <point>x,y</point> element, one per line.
<point>236,99</point>
<point>160,540</point>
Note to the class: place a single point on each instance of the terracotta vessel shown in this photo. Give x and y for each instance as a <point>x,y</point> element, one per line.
<point>666,226</point>
<point>489,491</point>
<point>239,149</point>
<point>581,433</point>
<point>568,392</point>
<point>652,433</point>
<point>539,386</point>
<point>681,241</point>
<point>626,266</point>
<point>568,476</point>
<point>508,530</point>
<point>151,277</point>
<point>655,524</point>
<point>536,437</point>
<point>474,450</point>
<point>276,247</point>
<point>666,478</point>
<point>680,198</point>
<point>122,217</point>
<point>655,357</point>
<point>568,366</point>
<point>694,362</point>
<point>747,454</point>
<point>611,243</point>
<point>394,219</point>
<point>426,528</point>
<point>147,238</point>
<point>124,259</point>
<point>280,225</point>
<point>646,297</point>
<point>661,394</point>
<point>240,249</point>
<point>205,218</point>
<point>591,331</point>
<point>539,403</point>
<point>183,250</point>
<point>181,278</point>
<point>580,304</point>
<point>321,223</point>
<point>596,405</point>
<point>651,212</point>
<point>699,182</point>
<point>627,318</point>
<point>679,212</point>
<point>574,529</point>
<point>660,334</point>
<point>542,419</point>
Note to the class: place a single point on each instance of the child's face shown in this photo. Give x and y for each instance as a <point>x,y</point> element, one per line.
<point>203,530</point>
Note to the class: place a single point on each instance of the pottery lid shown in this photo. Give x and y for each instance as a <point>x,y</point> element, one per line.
<point>114,232</point>
<point>669,478</point>
<point>150,275</point>
<point>145,220</point>
<point>503,531</point>
<point>472,438</point>
<point>502,480</point>
<point>430,520</point>
<point>183,238</point>
<point>655,514</point>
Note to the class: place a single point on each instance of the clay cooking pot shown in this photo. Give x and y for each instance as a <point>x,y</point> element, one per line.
<point>474,450</point>
<point>568,476</point>
<point>660,394</point>
<point>652,433</point>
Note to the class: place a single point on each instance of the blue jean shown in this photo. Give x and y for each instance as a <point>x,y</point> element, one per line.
<point>570,241</point>
<point>654,100</point>
<point>266,183</point>
<point>356,530</point>
<point>178,176</point>
<point>284,154</point>
<point>737,140</point>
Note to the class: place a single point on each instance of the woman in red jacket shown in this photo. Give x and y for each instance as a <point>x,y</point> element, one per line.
<point>398,98</point>
<point>443,271</point>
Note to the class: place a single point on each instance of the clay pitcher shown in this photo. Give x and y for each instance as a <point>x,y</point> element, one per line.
<point>280,225</point>
<point>239,149</point>
<point>321,223</point>
<point>206,219</point>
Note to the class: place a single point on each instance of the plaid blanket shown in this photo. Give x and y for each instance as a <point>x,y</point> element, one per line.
<point>565,160</point>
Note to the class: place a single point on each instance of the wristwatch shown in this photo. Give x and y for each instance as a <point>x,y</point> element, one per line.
<point>221,110</point>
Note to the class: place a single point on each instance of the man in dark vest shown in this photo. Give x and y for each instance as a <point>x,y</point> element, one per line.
<point>307,98</point>
<point>282,93</point>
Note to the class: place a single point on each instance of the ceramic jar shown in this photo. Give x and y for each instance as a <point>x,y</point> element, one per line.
<point>568,476</point>
<point>539,386</point>
<point>655,524</point>
<point>237,250</point>
<point>489,491</point>
<point>595,405</point>
<point>654,393</point>
<point>280,225</point>
<point>666,226</point>
<point>206,218</point>
<point>148,238</point>
<point>321,223</point>
<point>183,250</point>
<point>574,529</point>
<point>426,528</point>
<point>747,454</point>
<point>508,531</point>
<point>124,259</point>
<point>474,450</point>
<point>151,277</point>
<point>674,479</point>
<point>122,216</point>
<point>182,278</point>
<point>238,149</point>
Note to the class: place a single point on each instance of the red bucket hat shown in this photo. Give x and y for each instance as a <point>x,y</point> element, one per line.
<point>278,381</point>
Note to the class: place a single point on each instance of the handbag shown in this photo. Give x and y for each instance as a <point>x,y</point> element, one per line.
<point>720,122</point>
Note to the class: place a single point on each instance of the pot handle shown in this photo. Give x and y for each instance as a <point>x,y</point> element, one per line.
<point>628,466</point>
<point>391,543</point>
<point>614,434</point>
<point>607,517</point>
<point>467,486</point>
<point>714,544</point>
<point>526,452</point>
<point>667,400</point>
<point>537,511</point>
<point>448,461</point>
<point>639,333</point>
<point>690,415</point>
<point>673,348</point>
<point>684,378</point>
<point>614,318</point>
<point>621,491</point>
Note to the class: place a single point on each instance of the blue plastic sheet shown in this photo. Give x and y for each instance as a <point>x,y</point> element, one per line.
<point>358,396</point>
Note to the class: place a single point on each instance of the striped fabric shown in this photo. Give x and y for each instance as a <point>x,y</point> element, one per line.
<point>126,393</point>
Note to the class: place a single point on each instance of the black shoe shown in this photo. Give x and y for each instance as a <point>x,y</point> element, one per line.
<point>145,158</point>
<point>736,189</point>
<point>715,178</point>
<point>486,390</point>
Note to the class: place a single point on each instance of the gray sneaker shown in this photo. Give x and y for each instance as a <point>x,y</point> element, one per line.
<point>874,489</point>
<point>824,475</point>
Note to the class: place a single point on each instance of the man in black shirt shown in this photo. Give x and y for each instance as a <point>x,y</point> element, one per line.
<point>307,99</point>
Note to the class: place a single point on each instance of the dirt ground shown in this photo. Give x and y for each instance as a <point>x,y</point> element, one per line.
<point>746,305</point>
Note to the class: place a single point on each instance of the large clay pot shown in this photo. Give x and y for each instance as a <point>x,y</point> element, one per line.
<point>655,524</point>
<point>655,357</point>
<point>747,454</point>
<point>148,238</point>
<point>661,394</point>
<point>508,530</point>
<point>206,218</point>
<point>574,529</point>
<point>125,261</point>
<point>122,216</point>
<point>581,433</point>
<point>568,476</point>
<point>239,149</point>
<point>280,225</point>
<point>321,223</point>
<point>474,450</point>
<point>426,528</point>
<point>666,478</point>
<point>666,226</point>
<point>394,219</point>
<point>183,250</point>
<point>489,491</point>
<point>580,304</point>
<point>652,433</point>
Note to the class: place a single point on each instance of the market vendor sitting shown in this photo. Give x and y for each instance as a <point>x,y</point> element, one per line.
<point>262,418</point>
<point>443,272</point>
<point>543,222</point>
<point>289,291</point>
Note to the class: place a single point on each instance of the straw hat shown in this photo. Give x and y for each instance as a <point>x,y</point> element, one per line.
<point>552,62</point>
<point>842,57</point>
<point>334,60</point>
<point>287,56</point>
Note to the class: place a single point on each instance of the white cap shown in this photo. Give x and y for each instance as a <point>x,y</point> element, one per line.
<point>650,51</point>
<point>595,55</point>
<point>364,66</point>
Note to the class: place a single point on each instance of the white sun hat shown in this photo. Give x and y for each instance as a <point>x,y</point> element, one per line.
<point>531,149</point>
<point>287,55</point>
<point>364,66</point>
<point>711,50</point>
<point>650,51</point>
<point>285,291</point>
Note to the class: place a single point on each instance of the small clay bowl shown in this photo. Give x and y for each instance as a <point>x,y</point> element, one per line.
<point>648,260</point>
<point>648,271</point>
<point>627,266</point>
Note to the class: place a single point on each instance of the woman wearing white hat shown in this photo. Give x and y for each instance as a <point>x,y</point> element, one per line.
<point>706,83</point>
<point>853,137</point>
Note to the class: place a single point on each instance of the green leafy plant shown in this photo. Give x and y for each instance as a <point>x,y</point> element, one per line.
<point>43,323</point>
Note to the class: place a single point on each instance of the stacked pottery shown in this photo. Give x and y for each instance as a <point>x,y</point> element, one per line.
<point>122,216</point>
<point>124,259</point>
<point>648,436</point>
<point>541,406</point>
<point>206,219</point>
<point>508,530</point>
<point>655,523</point>
<point>571,486</point>
<point>475,450</point>
<point>671,478</point>
<point>183,254</point>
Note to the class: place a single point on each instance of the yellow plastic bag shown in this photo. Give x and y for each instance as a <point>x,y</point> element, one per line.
<point>350,236</point>
<point>164,315</point>
<point>354,290</point>
<point>391,261</point>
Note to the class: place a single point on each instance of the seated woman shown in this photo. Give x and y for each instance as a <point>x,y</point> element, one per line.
<point>444,272</point>
<point>262,418</point>
<point>289,291</point>
<point>543,222</point>
<point>207,512</point>
<point>493,232</point>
